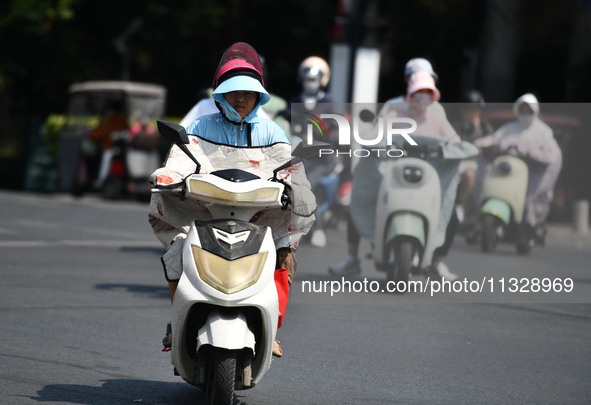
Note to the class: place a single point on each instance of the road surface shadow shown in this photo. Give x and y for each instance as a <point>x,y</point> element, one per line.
<point>141,249</point>
<point>150,291</point>
<point>126,391</point>
<point>122,391</point>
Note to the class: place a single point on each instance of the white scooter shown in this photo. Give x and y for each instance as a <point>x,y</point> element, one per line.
<point>409,205</point>
<point>502,202</point>
<point>225,310</point>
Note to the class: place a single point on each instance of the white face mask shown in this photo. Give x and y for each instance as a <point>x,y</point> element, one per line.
<point>421,97</point>
<point>525,120</point>
<point>312,86</point>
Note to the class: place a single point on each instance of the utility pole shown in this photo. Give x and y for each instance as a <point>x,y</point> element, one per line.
<point>354,55</point>
<point>502,42</point>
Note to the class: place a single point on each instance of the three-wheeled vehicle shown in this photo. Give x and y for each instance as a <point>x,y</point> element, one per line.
<point>134,150</point>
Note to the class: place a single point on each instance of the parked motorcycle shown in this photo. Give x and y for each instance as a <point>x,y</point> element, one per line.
<point>502,203</point>
<point>132,160</point>
<point>226,309</point>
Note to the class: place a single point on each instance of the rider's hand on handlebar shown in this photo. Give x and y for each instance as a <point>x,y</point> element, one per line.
<point>517,151</point>
<point>424,151</point>
<point>286,195</point>
<point>415,150</point>
<point>492,151</point>
<point>287,192</point>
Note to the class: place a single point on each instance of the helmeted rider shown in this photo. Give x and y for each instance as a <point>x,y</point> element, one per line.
<point>314,76</point>
<point>238,93</point>
<point>471,126</point>
<point>473,123</point>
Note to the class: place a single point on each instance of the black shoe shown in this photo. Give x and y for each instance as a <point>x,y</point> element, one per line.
<point>540,234</point>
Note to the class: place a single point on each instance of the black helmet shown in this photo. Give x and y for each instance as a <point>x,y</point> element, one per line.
<point>473,97</point>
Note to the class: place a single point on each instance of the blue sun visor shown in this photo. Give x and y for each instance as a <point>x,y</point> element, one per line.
<point>242,83</point>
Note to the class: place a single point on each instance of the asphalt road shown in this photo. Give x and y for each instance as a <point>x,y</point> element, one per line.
<point>83,305</point>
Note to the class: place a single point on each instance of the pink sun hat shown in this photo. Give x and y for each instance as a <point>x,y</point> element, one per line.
<point>239,58</point>
<point>422,80</point>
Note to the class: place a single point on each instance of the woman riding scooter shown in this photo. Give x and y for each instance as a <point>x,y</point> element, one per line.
<point>533,141</point>
<point>365,207</point>
<point>418,73</point>
<point>238,92</point>
<point>314,76</point>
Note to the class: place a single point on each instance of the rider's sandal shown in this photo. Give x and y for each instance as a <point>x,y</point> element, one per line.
<point>167,340</point>
<point>277,350</point>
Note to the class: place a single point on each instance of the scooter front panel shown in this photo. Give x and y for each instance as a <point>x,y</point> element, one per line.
<point>420,198</point>
<point>190,268</point>
<point>231,239</point>
<point>187,297</point>
<point>507,180</point>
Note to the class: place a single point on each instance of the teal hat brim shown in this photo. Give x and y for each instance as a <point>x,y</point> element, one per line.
<point>242,83</point>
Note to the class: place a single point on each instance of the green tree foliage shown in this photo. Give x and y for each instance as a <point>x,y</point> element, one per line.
<point>46,45</point>
<point>53,43</point>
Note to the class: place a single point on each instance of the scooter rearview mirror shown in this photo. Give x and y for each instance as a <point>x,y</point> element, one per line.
<point>307,152</point>
<point>367,116</point>
<point>177,134</point>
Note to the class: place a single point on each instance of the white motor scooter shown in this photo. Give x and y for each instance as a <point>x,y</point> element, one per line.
<point>502,202</point>
<point>409,205</point>
<point>225,310</point>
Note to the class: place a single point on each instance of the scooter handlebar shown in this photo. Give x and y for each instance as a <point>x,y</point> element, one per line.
<point>156,190</point>
<point>423,151</point>
<point>182,190</point>
<point>494,151</point>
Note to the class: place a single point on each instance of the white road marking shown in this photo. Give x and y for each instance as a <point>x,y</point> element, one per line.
<point>77,243</point>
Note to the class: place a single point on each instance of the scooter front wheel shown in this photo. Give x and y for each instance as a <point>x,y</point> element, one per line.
<point>402,252</point>
<point>222,377</point>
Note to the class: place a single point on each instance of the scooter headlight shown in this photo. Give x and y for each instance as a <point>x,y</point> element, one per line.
<point>207,191</point>
<point>412,174</point>
<point>228,276</point>
<point>503,168</point>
